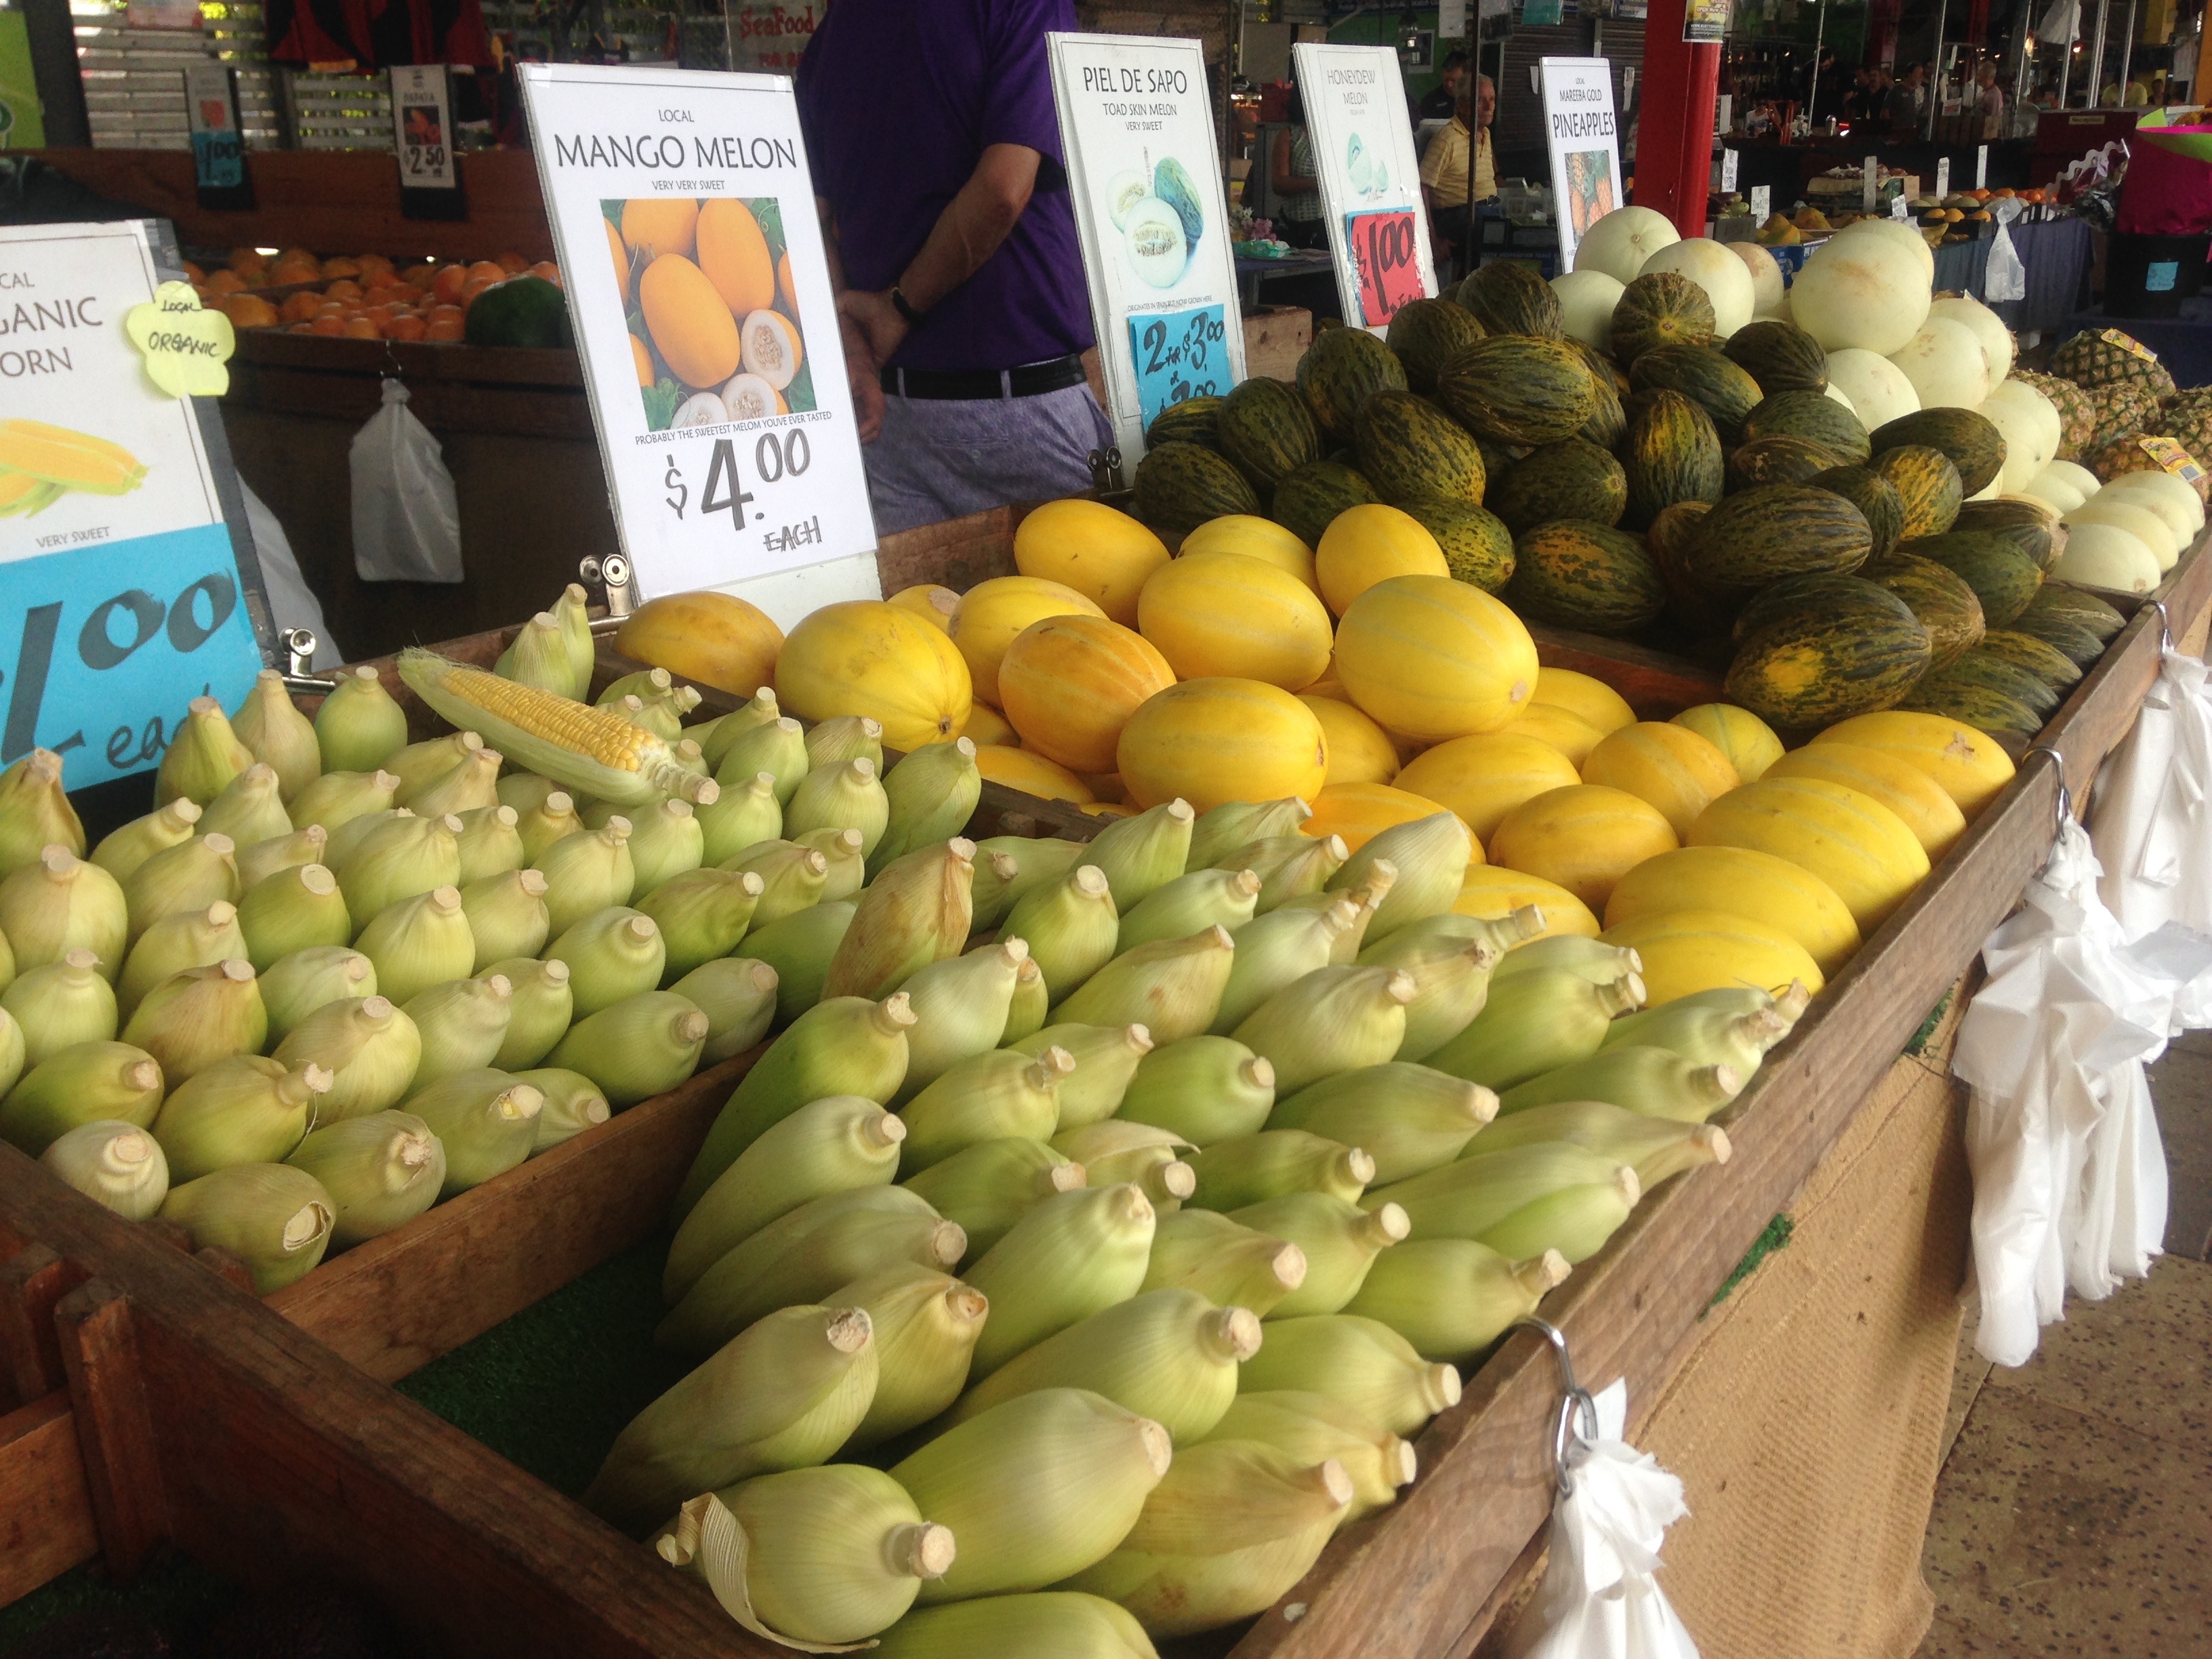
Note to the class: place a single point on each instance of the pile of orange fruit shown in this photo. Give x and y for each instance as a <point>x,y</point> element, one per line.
<point>362,298</point>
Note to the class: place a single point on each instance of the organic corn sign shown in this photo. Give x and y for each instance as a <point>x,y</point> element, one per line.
<point>685,216</point>
<point>1136,121</point>
<point>1370,186</point>
<point>127,584</point>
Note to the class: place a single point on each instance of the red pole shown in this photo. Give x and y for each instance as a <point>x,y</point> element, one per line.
<point>1675,126</point>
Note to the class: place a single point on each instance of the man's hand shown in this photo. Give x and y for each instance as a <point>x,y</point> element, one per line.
<point>863,372</point>
<point>877,317</point>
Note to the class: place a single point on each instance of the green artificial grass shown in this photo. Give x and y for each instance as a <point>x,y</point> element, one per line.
<point>1775,1237</point>
<point>1919,1043</point>
<point>174,1593</point>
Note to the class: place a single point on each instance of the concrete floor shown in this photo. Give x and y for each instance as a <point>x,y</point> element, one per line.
<point>2072,1514</point>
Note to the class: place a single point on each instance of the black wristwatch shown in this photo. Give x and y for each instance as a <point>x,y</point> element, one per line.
<point>904,307</point>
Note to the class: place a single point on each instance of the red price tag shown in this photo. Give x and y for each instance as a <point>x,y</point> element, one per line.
<point>1386,255</point>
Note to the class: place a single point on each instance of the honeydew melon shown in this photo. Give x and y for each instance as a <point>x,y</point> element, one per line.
<point>1587,298</point>
<point>1946,364</point>
<point>1725,279</point>
<point>2105,555</point>
<point>1863,292</point>
<point>2054,489</point>
<point>2145,525</point>
<point>1769,291</point>
<point>1988,327</point>
<point>1900,235</point>
<point>1878,390</point>
<point>2030,428</point>
<point>2167,488</point>
<point>1623,240</point>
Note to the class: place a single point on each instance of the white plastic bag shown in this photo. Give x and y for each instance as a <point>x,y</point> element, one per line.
<point>2004,277</point>
<point>406,524</point>
<point>2147,821</point>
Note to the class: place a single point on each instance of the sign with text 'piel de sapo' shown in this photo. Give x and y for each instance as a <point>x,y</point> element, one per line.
<point>1370,184</point>
<point>128,585</point>
<point>1137,122</point>
<point>693,261</point>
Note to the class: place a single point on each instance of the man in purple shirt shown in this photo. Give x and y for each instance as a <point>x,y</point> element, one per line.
<point>943,196</point>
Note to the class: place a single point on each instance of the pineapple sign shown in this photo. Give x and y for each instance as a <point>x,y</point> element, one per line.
<point>128,583</point>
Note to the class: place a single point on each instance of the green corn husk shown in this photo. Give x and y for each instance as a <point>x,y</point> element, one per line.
<point>114,1164</point>
<point>1548,1195</point>
<point>1038,1488</point>
<point>960,1010</point>
<point>1141,853</point>
<point>1594,959</point>
<point>525,792</point>
<point>470,785</point>
<point>799,948</point>
<point>926,1324</point>
<point>845,736</point>
<point>916,913</point>
<point>336,799</point>
<point>463,1025</point>
<point>295,986</point>
<point>1361,1363</point>
<point>1431,857</point>
<point>1228,1263</point>
<point>419,942</point>
<point>1060,1622</point>
<point>844,1046</point>
<point>61,902</point>
<point>587,872</point>
<point>276,733</point>
<point>87,1083</point>
<point>744,815</point>
<point>1365,899</point>
<point>343,842</point>
<point>359,727</point>
<point>1534,1024</point>
<point>647,684</point>
<point>1030,1006</point>
<point>1250,1168</point>
<point>202,758</point>
<point>1276,950</point>
<point>716,736</point>
<point>506,916</point>
<point>611,954</point>
<point>190,877</point>
<point>7,963</point>
<point>1341,1241</point>
<point>572,611</point>
<point>845,866</point>
<point>539,656</point>
<point>1222,830</point>
<point>1168,1355</point>
<point>61,1004</point>
<point>540,823</point>
<point>491,842</point>
<point>1070,927</point>
<point>1507,933</point>
<point>380,1171</point>
<point>35,812</point>
<point>486,1120</point>
<point>194,1018</point>
<point>1232,1527</point>
<point>1657,1082</point>
<point>1176,908</point>
<point>839,1144</point>
<point>1008,868</point>
<point>1289,866</point>
<point>1206,1089</point>
<point>1452,1297</point>
<point>848,795</point>
<point>817,1556</point>
<point>297,908</point>
<point>275,1219</point>
<point>640,1047</point>
<point>250,809</point>
<point>666,840</point>
<point>738,995</point>
<point>1069,1256</point>
<point>1707,1036</point>
<point>244,1110</point>
<point>573,1104</point>
<point>1332,1020</point>
<point>1451,982</point>
<point>1107,1058</point>
<point>1409,1119</point>
<point>1172,988</point>
<point>784,1393</point>
<point>124,850</point>
<point>265,859</point>
<point>792,877</point>
<point>777,747</point>
<point>370,1046</point>
<point>1655,1147</point>
<point>931,794</point>
<point>398,860</point>
<point>804,1255</point>
<point>1115,1151</point>
<point>702,914</point>
<point>540,1010</point>
<point>987,1097</point>
<point>988,1187</point>
<point>1727,1000</point>
<point>1312,1428</point>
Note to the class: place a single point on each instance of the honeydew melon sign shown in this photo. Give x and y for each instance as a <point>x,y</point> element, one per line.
<point>1136,121</point>
<point>683,214</point>
<point>1371,187</point>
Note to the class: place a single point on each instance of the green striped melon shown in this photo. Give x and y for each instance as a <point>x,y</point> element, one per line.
<point>1508,297</point>
<point>1585,576</point>
<point>1265,428</point>
<point>1809,667</point>
<point>1425,333</point>
<point>1478,548</point>
<point>2003,578</point>
<point>1338,373</point>
<point>1516,389</point>
<point>1308,500</point>
<point>1970,440</point>
<point>1410,450</point>
<point>1876,499</point>
<point>1570,479</point>
<point>1946,607</point>
<point>1661,307</point>
<point>1928,484</point>
<point>1669,454</point>
<point>1701,374</point>
<point>1813,415</point>
<point>1778,459</point>
<point>1773,530</point>
<point>1778,355</point>
<point>1179,486</point>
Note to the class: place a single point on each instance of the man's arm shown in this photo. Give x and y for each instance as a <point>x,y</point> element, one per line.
<point>969,231</point>
<point>863,367</point>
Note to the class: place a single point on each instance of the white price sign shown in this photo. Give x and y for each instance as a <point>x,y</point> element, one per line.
<point>685,216</point>
<point>1943,177</point>
<point>1370,184</point>
<point>1729,160</point>
<point>1137,122</point>
<point>1981,167</point>
<point>1584,141</point>
<point>1870,184</point>
<point>1762,200</point>
<point>423,126</point>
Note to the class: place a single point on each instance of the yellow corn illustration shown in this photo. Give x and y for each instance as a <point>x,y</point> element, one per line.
<point>21,493</point>
<point>71,460</point>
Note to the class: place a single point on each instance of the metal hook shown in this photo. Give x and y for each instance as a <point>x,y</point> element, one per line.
<point>1575,1402</point>
<point>2065,799</point>
<point>2165,627</point>
<point>613,574</point>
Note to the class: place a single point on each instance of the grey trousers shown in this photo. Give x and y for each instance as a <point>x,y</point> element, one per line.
<point>939,459</point>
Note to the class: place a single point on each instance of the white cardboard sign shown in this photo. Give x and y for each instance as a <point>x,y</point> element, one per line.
<point>423,126</point>
<point>1370,187</point>
<point>1137,122</point>
<point>1583,136</point>
<point>684,212</point>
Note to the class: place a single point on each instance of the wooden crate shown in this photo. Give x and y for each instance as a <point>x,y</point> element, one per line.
<point>262,1437</point>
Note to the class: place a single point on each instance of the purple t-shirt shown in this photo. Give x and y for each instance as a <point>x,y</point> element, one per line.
<point>897,99</point>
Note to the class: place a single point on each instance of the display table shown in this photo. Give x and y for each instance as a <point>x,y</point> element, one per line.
<point>2183,343</point>
<point>2055,255</point>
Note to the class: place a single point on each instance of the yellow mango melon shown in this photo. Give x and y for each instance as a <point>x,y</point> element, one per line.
<point>1431,658</point>
<point>1741,882</point>
<point>1748,741</point>
<point>1493,892</point>
<point>666,224</point>
<point>1216,740</point>
<point>1585,837</point>
<point>1967,764</point>
<point>871,657</point>
<point>1484,777</point>
<point>989,614</point>
<point>933,604</point>
<point>1229,615</point>
<point>1033,774</point>
<point>1669,766</point>
<point>1105,556</point>
<point>1686,952</point>
<point>733,255</point>
<point>1584,694</point>
<point>1861,848</point>
<point>1359,752</point>
<point>716,639</point>
<point>1069,684</point>
<point>1361,812</point>
<point>1255,538</point>
<point>1557,728</point>
<point>618,252</point>
<point>986,725</point>
<point>691,328</point>
<point>1370,544</point>
<point>1932,816</point>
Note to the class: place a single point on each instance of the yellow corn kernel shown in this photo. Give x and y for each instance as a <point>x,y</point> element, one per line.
<point>74,460</point>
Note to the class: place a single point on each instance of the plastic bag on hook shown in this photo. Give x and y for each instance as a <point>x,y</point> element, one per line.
<point>2147,821</point>
<point>406,519</point>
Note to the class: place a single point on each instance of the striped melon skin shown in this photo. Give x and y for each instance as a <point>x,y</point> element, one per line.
<point>1671,453</point>
<point>1699,609</point>
<point>1813,415</point>
<point>1749,742</point>
<point>1669,767</point>
<point>1778,355</point>
<point>1824,593</point>
<point>1485,777</point>
<point>1858,847</point>
<point>2003,579</point>
<point>1179,486</point>
<point>2028,525</point>
<point>2057,599</point>
<point>2068,635</point>
<point>1265,427</point>
<point>1662,307</point>
<point>1338,372</point>
<point>1763,534</point>
<point>1709,379</point>
<point>1190,421</point>
<point>1876,499</point>
<point>1964,762</point>
<point>1810,668</point>
<point>1608,421</point>
<point>1970,442</point>
<point>1507,297</point>
<point>1973,705</point>
<point>1781,458</point>
<point>1991,672</point>
<point>1573,574</point>
<point>1741,882</point>
<point>1932,816</point>
<point>1516,389</point>
<point>1570,479</point>
<point>1493,894</point>
<point>1687,951</point>
<point>1426,332</point>
<point>1584,836</point>
<point>1411,450</point>
<point>1308,500</point>
<point>1927,483</point>
<point>1478,548</point>
<point>1941,598</point>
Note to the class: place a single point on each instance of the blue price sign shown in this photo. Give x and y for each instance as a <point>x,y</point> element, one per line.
<point>1179,355</point>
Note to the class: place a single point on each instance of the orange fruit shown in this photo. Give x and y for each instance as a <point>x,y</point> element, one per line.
<point>443,328</point>
<point>300,308</point>
<point>420,277</point>
<point>512,264</point>
<point>249,311</point>
<point>548,271</point>
<point>332,328</point>
<point>443,313</point>
<point>362,328</point>
<point>376,263</point>
<point>300,328</point>
<point>407,327</point>
<point>344,288</point>
<point>247,258</point>
<point>226,282</point>
<point>469,294</point>
<point>449,281</point>
<point>487,270</point>
<point>669,225</point>
<point>193,274</point>
<point>733,254</point>
<point>341,266</point>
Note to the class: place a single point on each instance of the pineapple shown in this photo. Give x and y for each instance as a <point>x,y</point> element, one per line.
<point>2093,362</point>
<point>2124,412</point>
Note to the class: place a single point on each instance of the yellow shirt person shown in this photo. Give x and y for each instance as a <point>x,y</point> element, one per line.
<point>1443,166</point>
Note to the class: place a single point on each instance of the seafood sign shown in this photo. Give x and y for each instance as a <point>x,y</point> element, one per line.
<point>1584,140</point>
<point>1370,188</point>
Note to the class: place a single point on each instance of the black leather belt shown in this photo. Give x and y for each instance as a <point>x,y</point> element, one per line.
<point>1029,380</point>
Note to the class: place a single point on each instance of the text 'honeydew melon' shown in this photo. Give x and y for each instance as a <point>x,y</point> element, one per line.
<point>1725,278</point>
<point>1768,288</point>
<point>1878,390</point>
<point>1864,292</point>
<point>1946,364</point>
<point>1623,240</point>
<point>1586,299</point>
